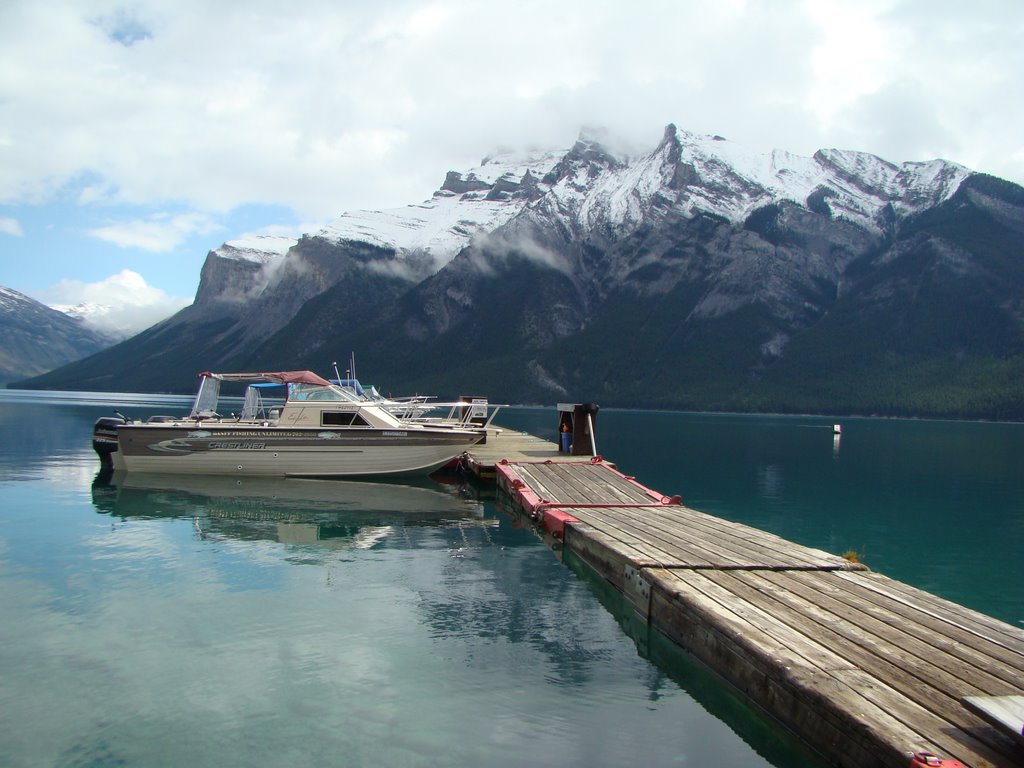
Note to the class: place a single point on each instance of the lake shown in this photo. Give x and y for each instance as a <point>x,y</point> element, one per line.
<point>204,621</point>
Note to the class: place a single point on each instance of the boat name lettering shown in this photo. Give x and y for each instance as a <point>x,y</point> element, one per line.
<point>395,434</point>
<point>259,433</point>
<point>238,446</point>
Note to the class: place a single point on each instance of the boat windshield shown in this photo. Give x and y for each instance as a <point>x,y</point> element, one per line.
<point>320,393</point>
<point>205,404</point>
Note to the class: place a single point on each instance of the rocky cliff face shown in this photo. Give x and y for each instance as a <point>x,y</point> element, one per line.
<point>699,274</point>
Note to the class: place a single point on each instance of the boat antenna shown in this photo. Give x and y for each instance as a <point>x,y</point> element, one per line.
<point>336,374</point>
<point>352,362</point>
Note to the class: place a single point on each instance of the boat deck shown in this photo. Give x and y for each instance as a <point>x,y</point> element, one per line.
<point>864,669</point>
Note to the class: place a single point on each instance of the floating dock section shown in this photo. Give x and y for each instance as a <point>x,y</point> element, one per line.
<point>865,670</point>
<point>510,445</point>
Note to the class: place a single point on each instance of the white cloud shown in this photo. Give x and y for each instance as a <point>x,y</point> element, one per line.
<point>9,226</point>
<point>120,305</point>
<point>855,53</point>
<point>338,106</point>
<point>505,244</point>
<point>160,233</point>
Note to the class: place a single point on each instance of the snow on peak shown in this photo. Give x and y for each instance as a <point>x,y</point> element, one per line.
<point>259,249</point>
<point>11,300</point>
<point>715,175</point>
<point>696,173</point>
<point>470,203</point>
<point>590,186</point>
<point>859,183</point>
<point>96,316</point>
<point>507,163</point>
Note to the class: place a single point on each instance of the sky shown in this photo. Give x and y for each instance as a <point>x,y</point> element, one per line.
<point>137,136</point>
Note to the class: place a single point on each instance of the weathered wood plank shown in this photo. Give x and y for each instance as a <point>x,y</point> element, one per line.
<point>584,483</point>
<point>579,485</point>
<point>881,653</point>
<point>682,521</point>
<point>606,555</point>
<point>693,552</point>
<point>737,532</point>
<point>795,681</point>
<point>939,637</point>
<point>651,551</point>
<point>595,484</point>
<point>672,524</point>
<point>927,604</point>
<point>673,552</point>
<point>540,482</point>
<point>805,662</point>
<point>668,527</point>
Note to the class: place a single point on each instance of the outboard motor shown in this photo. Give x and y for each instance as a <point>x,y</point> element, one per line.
<point>104,437</point>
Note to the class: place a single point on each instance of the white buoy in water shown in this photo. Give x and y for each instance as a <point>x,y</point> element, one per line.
<point>837,429</point>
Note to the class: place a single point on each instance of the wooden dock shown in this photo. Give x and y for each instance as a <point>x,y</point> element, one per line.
<point>510,445</point>
<point>865,670</point>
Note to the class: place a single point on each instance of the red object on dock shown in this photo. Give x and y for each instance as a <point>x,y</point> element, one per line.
<point>554,521</point>
<point>919,759</point>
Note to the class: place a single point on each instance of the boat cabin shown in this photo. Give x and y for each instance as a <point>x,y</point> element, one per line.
<point>308,401</point>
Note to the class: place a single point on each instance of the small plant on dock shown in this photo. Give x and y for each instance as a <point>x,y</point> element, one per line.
<point>853,556</point>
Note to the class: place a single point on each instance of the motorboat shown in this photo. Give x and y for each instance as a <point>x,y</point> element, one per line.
<point>312,429</point>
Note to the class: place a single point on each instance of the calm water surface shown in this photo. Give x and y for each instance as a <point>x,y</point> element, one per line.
<point>161,621</point>
<point>149,621</point>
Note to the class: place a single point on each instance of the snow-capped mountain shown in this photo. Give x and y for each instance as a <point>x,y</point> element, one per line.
<point>697,273</point>
<point>35,338</point>
<point>100,318</point>
<point>425,237</point>
<point>83,310</point>
<point>586,188</point>
<point>121,306</point>
<point>239,270</point>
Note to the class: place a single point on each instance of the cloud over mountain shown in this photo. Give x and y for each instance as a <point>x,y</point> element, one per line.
<point>118,306</point>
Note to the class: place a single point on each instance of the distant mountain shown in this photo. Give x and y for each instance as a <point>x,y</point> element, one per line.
<point>35,338</point>
<point>91,314</point>
<point>696,275</point>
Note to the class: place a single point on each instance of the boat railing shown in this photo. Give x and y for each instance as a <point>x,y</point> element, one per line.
<point>460,414</point>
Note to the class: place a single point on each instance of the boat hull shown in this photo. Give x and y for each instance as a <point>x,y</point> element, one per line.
<point>231,449</point>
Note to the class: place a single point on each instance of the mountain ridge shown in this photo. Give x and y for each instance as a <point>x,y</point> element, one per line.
<point>35,338</point>
<point>715,267</point>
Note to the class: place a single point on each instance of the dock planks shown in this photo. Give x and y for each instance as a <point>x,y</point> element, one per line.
<point>510,445</point>
<point>864,669</point>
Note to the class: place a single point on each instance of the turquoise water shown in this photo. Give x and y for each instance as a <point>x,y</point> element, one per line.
<point>164,622</point>
<point>159,621</point>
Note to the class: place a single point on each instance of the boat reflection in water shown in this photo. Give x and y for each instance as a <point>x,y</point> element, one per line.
<point>330,513</point>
